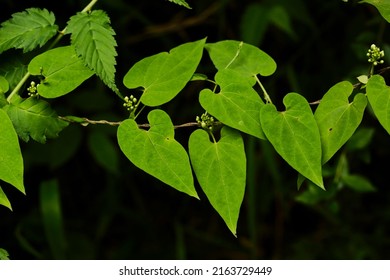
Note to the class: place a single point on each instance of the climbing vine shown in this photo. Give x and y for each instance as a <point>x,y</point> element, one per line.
<point>305,135</point>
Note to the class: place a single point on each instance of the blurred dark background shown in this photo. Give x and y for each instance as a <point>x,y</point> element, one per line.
<point>111,210</point>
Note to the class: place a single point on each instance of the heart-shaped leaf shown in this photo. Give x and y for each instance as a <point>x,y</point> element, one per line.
<point>236,105</point>
<point>378,94</point>
<point>295,136</point>
<point>245,59</point>
<point>157,152</point>
<point>337,118</point>
<point>11,163</point>
<point>164,75</point>
<point>62,69</point>
<point>220,168</point>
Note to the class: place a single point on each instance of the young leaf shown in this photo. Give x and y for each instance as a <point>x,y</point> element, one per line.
<point>236,105</point>
<point>34,117</point>
<point>295,136</point>
<point>181,2</point>
<point>383,7</point>
<point>164,75</point>
<point>337,118</point>
<point>11,163</point>
<point>62,70</point>
<point>157,152</point>
<point>27,30</point>
<point>245,59</point>
<point>93,38</point>
<point>220,168</point>
<point>378,94</point>
<point>358,183</point>
<point>4,200</point>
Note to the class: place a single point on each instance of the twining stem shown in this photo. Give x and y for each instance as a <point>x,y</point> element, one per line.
<point>60,35</point>
<point>266,96</point>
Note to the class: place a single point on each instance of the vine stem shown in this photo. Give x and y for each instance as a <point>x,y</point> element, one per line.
<point>60,35</point>
<point>266,96</point>
<point>86,121</point>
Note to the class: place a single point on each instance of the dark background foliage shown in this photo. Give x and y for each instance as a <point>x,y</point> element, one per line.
<point>111,210</point>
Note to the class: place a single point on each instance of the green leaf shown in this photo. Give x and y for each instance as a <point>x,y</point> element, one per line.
<point>245,59</point>
<point>3,254</point>
<point>164,75</point>
<point>358,183</point>
<point>181,3</point>
<point>378,94</point>
<point>295,136</point>
<point>27,30</point>
<point>104,151</point>
<point>93,38</point>
<point>12,69</point>
<point>50,204</point>
<point>220,168</point>
<point>236,105</point>
<point>11,163</point>
<point>337,118</point>
<point>5,202</point>
<point>4,86</point>
<point>34,117</point>
<point>157,152</point>
<point>361,139</point>
<point>383,7</point>
<point>63,71</point>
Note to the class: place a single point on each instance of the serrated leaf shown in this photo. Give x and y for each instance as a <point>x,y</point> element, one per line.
<point>295,136</point>
<point>27,30</point>
<point>34,118</point>
<point>247,60</point>
<point>236,105</point>
<point>11,163</point>
<point>378,94</point>
<point>62,70</point>
<point>93,38</point>
<point>157,152</point>
<point>181,3</point>
<point>220,168</point>
<point>164,75</point>
<point>4,201</point>
<point>337,118</point>
<point>383,7</point>
<point>3,254</point>
<point>12,69</point>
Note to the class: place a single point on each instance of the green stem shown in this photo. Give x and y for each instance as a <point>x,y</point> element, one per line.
<point>266,96</point>
<point>18,87</point>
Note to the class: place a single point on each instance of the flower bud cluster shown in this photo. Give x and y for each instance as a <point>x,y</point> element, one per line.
<point>130,103</point>
<point>32,90</point>
<point>375,55</point>
<point>205,121</point>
